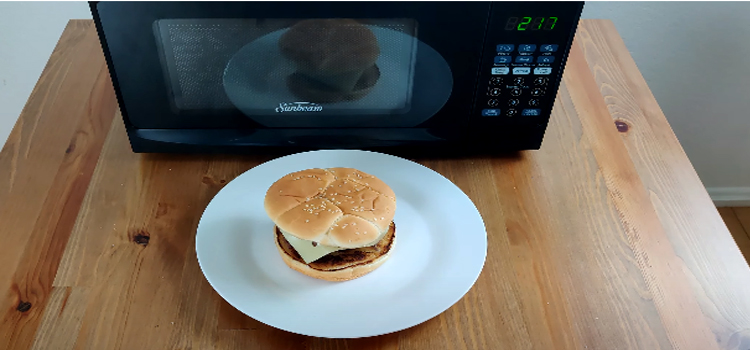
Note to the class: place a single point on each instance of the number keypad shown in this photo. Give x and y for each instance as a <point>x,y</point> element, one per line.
<point>519,79</point>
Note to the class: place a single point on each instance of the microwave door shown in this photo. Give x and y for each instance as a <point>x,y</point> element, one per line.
<point>321,65</point>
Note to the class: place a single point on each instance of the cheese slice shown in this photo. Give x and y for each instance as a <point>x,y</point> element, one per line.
<point>306,250</point>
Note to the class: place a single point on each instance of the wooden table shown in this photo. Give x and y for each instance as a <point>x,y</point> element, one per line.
<point>603,239</point>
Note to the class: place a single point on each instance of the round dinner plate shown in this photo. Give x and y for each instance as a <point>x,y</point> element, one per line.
<point>441,245</point>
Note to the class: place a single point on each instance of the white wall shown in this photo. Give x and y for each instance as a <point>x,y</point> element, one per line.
<point>28,34</point>
<point>694,55</point>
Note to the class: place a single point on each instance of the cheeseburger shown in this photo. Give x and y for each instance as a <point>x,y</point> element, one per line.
<point>333,224</point>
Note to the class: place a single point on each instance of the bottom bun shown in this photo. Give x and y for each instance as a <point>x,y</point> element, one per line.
<point>370,259</point>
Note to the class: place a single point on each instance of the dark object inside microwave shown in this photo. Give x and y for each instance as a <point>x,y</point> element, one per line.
<point>241,76</point>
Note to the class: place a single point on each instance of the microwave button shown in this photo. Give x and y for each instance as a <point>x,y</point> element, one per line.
<point>541,81</point>
<point>496,81</point>
<point>502,59</point>
<point>545,59</point>
<point>521,70</point>
<point>511,112</point>
<point>531,112</point>
<point>490,112</point>
<point>542,70</point>
<point>548,48</point>
<point>518,81</point>
<point>516,92</point>
<point>493,103</point>
<point>534,102</point>
<point>494,92</point>
<point>500,70</point>
<point>527,48</point>
<point>525,59</point>
<point>505,48</point>
<point>513,102</point>
<point>537,92</point>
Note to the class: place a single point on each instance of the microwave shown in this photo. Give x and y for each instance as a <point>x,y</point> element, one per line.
<point>206,77</point>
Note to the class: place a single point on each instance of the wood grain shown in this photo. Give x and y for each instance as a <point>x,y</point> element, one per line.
<point>46,166</point>
<point>738,227</point>
<point>709,258</point>
<point>569,248</point>
<point>62,317</point>
<point>743,215</point>
<point>678,309</point>
<point>136,241</point>
<point>603,239</point>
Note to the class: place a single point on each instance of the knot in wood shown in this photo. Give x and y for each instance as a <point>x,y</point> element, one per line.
<point>622,126</point>
<point>23,306</point>
<point>142,237</point>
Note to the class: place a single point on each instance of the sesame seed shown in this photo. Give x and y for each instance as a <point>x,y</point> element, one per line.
<point>354,223</point>
<point>316,213</point>
<point>307,220</point>
<point>382,218</point>
<point>357,232</point>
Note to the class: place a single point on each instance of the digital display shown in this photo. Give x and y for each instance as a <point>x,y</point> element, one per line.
<point>531,23</point>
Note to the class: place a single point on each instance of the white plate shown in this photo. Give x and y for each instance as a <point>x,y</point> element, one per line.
<point>440,250</point>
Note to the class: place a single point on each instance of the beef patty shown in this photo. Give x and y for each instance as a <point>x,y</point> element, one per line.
<point>311,90</point>
<point>343,258</point>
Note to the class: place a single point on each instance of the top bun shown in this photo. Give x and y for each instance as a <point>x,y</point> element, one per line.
<point>340,207</point>
<point>330,46</point>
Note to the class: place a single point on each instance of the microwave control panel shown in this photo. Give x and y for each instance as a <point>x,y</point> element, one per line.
<point>522,64</point>
<point>519,81</point>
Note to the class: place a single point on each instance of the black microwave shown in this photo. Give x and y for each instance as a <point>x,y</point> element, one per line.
<point>246,76</point>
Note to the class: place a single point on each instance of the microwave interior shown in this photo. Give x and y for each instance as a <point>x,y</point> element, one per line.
<point>269,73</point>
<point>247,71</point>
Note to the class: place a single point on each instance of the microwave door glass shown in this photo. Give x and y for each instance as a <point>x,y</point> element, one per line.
<point>304,73</point>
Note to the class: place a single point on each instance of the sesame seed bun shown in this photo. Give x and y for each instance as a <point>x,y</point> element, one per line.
<point>339,207</point>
